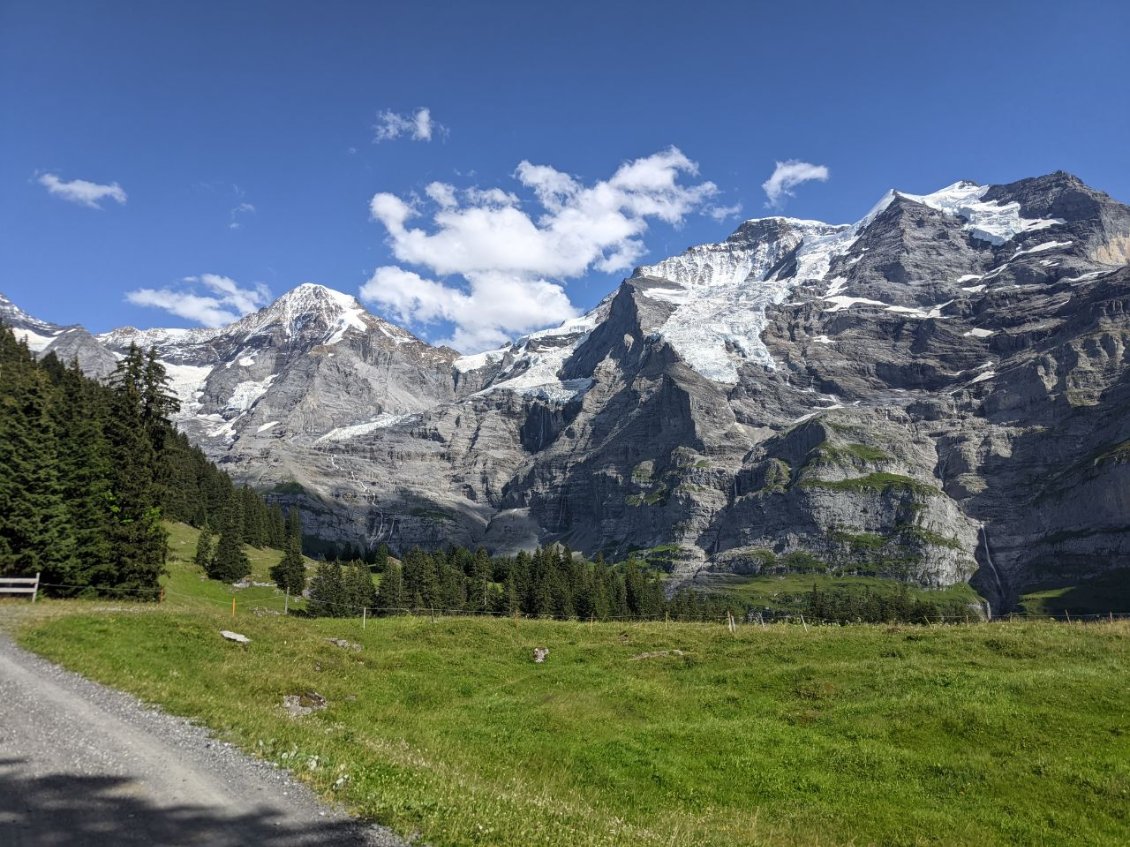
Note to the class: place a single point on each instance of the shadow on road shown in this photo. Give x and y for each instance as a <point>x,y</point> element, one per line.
<point>66,810</point>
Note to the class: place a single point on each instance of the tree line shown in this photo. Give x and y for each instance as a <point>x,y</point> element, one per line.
<point>555,583</point>
<point>894,605</point>
<point>88,470</point>
<point>551,582</point>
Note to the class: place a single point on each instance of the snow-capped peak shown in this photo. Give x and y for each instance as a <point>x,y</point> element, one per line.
<point>722,290</point>
<point>992,222</point>
<point>315,308</point>
<point>37,334</point>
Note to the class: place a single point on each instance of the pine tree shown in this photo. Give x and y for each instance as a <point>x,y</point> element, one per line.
<point>230,562</point>
<point>358,588</point>
<point>84,474</point>
<point>327,591</point>
<point>204,548</point>
<point>36,534</point>
<point>290,573</point>
<point>390,594</point>
<point>480,592</point>
<point>139,542</point>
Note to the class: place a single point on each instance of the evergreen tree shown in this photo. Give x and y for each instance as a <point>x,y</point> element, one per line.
<point>276,524</point>
<point>290,573</point>
<point>480,593</point>
<point>139,542</point>
<point>204,548</point>
<point>390,594</point>
<point>36,534</point>
<point>327,591</point>
<point>358,588</point>
<point>230,562</point>
<point>85,473</point>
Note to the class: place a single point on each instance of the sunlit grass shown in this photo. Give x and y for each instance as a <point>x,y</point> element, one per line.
<point>986,734</point>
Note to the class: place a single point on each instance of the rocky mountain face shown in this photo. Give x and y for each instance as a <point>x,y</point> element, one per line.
<point>69,343</point>
<point>937,393</point>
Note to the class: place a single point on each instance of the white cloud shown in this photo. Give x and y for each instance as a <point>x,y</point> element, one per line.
<point>209,299</point>
<point>418,125</point>
<point>787,176</point>
<point>510,263</point>
<point>236,211</point>
<point>721,213</point>
<point>82,192</point>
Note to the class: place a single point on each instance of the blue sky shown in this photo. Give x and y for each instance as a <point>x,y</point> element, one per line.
<point>232,150</point>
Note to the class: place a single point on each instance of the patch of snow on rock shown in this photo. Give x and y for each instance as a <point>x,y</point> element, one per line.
<point>187,381</point>
<point>344,433</point>
<point>539,357</point>
<point>840,302</point>
<point>1040,248</point>
<point>35,342</point>
<point>247,394</point>
<point>992,222</point>
<point>724,289</point>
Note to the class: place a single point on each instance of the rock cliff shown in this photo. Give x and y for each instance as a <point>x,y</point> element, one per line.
<point>936,393</point>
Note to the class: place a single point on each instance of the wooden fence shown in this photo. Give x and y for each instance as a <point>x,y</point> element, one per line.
<point>20,585</point>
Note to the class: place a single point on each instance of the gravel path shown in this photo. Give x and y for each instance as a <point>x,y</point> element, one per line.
<point>81,764</point>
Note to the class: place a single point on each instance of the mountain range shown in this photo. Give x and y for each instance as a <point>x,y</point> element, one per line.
<point>936,393</point>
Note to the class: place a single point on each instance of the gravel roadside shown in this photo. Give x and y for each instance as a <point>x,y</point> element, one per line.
<point>82,764</point>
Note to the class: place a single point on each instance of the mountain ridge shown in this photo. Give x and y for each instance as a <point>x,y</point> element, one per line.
<point>870,395</point>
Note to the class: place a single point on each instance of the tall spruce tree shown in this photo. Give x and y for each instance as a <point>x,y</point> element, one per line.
<point>327,598</point>
<point>230,562</point>
<point>290,573</point>
<point>139,542</point>
<point>85,476</point>
<point>390,594</point>
<point>358,588</point>
<point>205,548</point>
<point>36,534</point>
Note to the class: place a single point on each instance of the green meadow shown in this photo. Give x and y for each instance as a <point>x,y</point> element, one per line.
<point>642,733</point>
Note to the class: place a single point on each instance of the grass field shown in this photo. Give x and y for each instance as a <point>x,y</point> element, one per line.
<point>649,734</point>
<point>789,592</point>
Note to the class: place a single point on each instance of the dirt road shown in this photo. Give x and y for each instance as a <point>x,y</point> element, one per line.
<point>81,764</point>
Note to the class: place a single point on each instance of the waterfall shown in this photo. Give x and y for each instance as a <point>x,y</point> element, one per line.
<point>992,567</point>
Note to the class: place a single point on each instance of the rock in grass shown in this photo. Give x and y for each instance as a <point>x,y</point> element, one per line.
<point>344,644</point>
<point>540,654</point>
<point>303,704</point>
<point>235,636</point>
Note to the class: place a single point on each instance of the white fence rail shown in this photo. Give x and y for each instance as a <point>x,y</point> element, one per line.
<point>20,585</point>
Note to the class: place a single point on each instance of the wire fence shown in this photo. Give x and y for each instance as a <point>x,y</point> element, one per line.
<point>729,620</point>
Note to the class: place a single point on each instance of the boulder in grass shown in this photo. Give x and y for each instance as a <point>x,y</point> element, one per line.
<point>235,636</point>
<point>298,705</point>
<point>540,654</point>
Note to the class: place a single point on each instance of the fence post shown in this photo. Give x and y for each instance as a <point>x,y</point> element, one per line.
<point>802,623</point>
<point>364,616</point>
<point>286,603</point>
<point>233,607</point>
<point>35,593</point>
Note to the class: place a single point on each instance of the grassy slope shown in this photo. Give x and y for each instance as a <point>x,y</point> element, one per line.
<point>1012,733</point>
<point>187,587</point>
<point>789,592</point>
